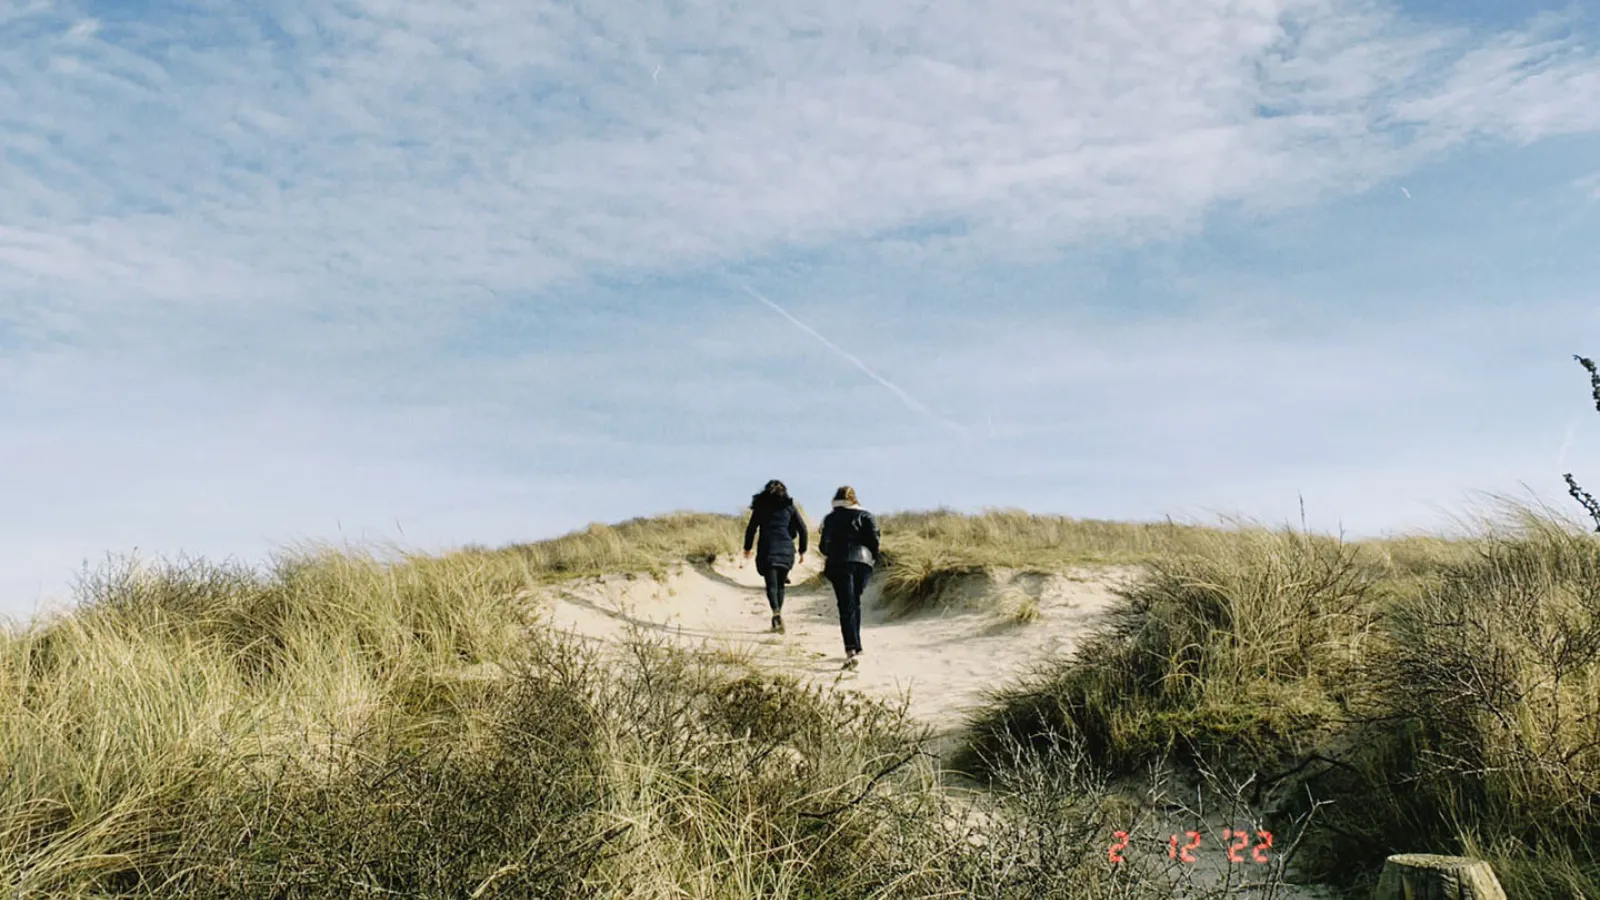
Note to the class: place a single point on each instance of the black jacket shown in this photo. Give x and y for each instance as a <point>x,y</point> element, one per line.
<point>849,534</point>
<point>779,524</point>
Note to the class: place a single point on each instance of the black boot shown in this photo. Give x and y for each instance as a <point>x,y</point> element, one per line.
<point>777,622</point>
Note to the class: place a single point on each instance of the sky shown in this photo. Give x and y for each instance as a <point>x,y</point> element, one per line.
<point>484,272</point>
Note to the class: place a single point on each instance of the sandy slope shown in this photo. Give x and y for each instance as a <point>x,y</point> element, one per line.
<point>943,661</point>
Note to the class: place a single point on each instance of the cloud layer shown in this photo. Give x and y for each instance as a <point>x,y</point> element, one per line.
<point>264,263</point>
<point>226,159</point>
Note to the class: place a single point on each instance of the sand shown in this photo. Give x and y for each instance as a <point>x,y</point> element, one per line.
<point>986,631</point>
<point>944,661</point>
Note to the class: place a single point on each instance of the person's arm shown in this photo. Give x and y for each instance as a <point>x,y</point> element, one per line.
<point>872,534</point>
<point>800,530</point>
<point>750,533</point>
<point>826,538</point>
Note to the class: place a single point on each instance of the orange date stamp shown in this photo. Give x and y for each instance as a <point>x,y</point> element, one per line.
<point>1244,846</point>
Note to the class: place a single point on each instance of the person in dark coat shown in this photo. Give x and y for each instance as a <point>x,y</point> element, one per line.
<point>774,526</point>
<point>849,543</point>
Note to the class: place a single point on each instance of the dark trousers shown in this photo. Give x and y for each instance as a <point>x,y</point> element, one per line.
<point>849,582</point>
<point>776,578</point>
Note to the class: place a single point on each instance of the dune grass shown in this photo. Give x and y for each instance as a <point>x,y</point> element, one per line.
<point>343,725</point>
<point>1228,655</point>
<point>643,545</point>
<point>1484,731</point>
<point>340,726</point>
<point>922,551</point>
<point>121,711</point>
<point>1445,696</point>
<point>926,552</point>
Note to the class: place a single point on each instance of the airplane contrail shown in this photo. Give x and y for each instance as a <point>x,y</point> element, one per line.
<point>913,403</point>
<point>1566,442</point>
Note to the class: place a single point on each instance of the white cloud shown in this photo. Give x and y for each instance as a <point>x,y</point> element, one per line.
<point>1589,185</point>
<point>83,29</point>
<point>322,197</point>
<point>1522,86</point>
<point>397,143</point>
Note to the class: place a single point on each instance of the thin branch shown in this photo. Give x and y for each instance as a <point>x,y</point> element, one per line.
<point>1594,379</point>
<point>1584,498</point>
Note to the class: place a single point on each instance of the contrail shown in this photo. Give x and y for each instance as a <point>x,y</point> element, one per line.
<point>913,403</point>
<point>1566,442</point>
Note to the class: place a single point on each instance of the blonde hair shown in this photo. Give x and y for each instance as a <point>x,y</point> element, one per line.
<point>846,493</point>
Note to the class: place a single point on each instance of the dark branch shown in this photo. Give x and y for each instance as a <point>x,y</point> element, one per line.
<point>1594,379</point>
<point>1584,498</point>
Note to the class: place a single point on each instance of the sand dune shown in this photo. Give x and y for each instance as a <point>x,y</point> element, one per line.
<point>943,660</point>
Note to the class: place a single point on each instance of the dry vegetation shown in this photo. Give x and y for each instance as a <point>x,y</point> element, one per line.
<point>647,545</point>
<point>1439,696</point>
<point>343,726</point>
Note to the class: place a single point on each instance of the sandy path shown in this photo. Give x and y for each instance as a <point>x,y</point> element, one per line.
<point>944,661</point>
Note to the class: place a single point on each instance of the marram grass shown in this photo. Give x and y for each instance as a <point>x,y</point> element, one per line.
<point>338,725</point>
<point>344,725</point>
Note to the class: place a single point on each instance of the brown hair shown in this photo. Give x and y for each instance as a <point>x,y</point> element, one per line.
<point>772,496</point>
<point>846,493</point>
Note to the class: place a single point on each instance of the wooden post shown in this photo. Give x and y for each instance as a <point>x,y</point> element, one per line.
<point>1424,876</point>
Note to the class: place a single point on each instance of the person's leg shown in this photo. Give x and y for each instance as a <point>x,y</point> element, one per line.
<point>841,593</point>
<point>855,621</point>
<point>775,578</point>
<point>774,581</point>
<point>861,573</point>
<point>849,614</point>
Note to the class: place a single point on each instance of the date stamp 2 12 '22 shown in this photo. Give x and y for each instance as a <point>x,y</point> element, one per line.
<point>1241,846</point>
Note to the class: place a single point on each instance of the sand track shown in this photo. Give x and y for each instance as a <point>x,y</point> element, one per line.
<point>945,660</point>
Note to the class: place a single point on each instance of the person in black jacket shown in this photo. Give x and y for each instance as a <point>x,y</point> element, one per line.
<point>774,516</point>
<point>849,543</point>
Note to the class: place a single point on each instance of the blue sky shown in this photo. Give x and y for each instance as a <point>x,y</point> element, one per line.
<point>485,271</point>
